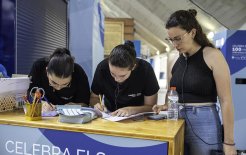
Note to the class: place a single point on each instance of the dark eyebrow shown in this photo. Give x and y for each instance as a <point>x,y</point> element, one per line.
<point>53,82</point>
<point>112,73</point>
<point>59,84</point>
<point>66,83</point>
<point>119,76</point>
<point>122,75</point>
<point>179,36</point>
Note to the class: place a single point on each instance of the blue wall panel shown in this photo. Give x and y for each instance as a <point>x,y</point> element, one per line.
<point>7,35</point>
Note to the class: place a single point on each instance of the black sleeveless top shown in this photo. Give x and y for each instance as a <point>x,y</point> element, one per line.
<point>195,78</point>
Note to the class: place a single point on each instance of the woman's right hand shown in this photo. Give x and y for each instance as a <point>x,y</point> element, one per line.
<point>157,108</point>
<point>99,107</point>
<point>48,107</point>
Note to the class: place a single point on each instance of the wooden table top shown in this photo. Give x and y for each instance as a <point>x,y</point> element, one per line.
<point>145,129</point>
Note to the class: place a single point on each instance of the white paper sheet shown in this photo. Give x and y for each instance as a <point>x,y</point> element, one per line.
<point>14,86</point>
<point>117,118</point>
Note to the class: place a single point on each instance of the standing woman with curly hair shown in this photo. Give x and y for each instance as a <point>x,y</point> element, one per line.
<point>200,74</point>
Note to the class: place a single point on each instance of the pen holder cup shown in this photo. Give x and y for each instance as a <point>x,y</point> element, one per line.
<point>34,111</point>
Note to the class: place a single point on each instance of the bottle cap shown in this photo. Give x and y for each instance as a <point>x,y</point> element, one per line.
<point>173,88</point>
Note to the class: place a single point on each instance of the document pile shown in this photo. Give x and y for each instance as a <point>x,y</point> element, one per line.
<point>75,114</point>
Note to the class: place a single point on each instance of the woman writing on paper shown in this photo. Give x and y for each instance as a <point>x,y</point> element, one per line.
<point>63,81</point>
<point>128,84</point>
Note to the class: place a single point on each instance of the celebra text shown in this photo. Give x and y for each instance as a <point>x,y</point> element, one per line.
<point>18,147</point>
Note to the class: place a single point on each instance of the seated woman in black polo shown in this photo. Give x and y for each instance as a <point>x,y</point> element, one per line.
<point>128,84</point>
<point>63,81</point>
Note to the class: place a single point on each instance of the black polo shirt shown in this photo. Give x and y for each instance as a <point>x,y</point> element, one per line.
<point>78,92</point>
<point>142,82</point>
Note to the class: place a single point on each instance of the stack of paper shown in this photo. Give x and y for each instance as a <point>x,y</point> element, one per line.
<point>73,114</point>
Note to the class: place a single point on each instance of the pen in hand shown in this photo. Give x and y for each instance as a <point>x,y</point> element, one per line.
<point>100,100</point>
<point>101,104</point>
<point>51,107</point>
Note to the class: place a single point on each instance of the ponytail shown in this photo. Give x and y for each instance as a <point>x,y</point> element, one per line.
<point>61,63</point>
<point>123,56</point>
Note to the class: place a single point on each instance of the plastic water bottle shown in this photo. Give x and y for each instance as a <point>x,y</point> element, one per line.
<point>173,107</point>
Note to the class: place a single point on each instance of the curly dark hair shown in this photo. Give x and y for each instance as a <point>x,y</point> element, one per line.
<point>186,19</point>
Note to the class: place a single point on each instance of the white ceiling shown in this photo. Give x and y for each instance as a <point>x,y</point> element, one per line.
<point>150,17</point>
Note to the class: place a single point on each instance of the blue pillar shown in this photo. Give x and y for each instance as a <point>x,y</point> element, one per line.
<point>86,34</point>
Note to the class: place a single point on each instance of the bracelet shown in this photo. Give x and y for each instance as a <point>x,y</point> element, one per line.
<point>230,144</point>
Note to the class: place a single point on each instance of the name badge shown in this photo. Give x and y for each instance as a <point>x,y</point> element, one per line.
<point>135,95</point>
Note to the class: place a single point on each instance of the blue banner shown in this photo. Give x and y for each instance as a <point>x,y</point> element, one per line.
<point>34,141</point>
<point>233,46</point>
<point>235,50</point>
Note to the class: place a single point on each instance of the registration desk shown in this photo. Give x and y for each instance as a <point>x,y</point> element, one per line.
<point>99,137</point>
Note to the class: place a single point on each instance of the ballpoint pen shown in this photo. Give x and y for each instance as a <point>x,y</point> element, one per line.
<point>102,105</point>
<point>52,107</point>
<point>100,100</point>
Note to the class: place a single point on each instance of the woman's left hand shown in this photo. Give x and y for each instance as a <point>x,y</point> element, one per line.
<point>123,112</point>
<point>229,150</point>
